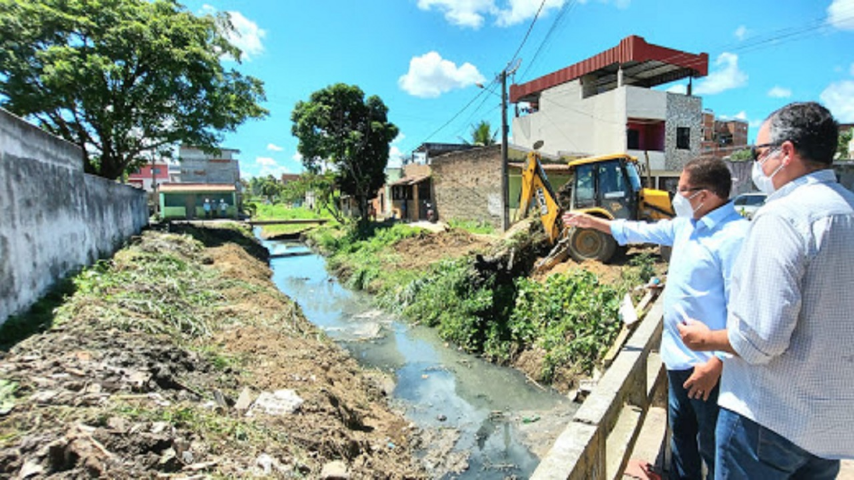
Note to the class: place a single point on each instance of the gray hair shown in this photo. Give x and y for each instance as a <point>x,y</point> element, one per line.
<point>810,127</point>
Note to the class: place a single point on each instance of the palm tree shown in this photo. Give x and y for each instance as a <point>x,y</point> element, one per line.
<point>482,134</point>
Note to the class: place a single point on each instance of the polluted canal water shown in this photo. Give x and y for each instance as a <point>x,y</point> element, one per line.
<point>477,420</point>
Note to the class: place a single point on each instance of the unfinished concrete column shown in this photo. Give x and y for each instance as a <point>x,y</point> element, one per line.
<point>588,85</point>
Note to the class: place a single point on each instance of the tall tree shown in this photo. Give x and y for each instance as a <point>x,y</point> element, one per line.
<point>353,133</point>
<point>123,79</point>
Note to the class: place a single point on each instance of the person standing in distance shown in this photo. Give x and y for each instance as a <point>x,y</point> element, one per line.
<point>706,237</point>
<point>787,393</point>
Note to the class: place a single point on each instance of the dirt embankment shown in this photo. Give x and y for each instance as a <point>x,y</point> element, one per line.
<point>185,368</point>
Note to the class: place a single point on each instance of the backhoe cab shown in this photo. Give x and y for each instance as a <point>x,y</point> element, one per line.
<point>608,186</point>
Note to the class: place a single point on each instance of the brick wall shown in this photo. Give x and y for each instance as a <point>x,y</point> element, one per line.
<point>467,185</point>
<point>416,170</point>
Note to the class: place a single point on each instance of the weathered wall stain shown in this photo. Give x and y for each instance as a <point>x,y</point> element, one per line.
<point>53,217</point>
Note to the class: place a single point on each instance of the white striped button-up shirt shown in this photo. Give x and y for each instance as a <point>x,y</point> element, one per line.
<point>791,318</point>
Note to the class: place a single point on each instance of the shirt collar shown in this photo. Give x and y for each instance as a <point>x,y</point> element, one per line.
<point>825,175</point>
<point>716,216</point>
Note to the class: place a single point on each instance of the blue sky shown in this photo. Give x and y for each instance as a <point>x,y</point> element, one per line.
<point>424,57</point>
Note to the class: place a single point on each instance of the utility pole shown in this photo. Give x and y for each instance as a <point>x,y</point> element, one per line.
<point>505,131</point>
<point>505,189</point>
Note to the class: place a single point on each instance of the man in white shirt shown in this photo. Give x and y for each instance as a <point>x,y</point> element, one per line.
<point>706,238</point>
<point>787,394</point>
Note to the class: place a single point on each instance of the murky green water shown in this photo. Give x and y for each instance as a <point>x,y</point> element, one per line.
<point>437,387</point>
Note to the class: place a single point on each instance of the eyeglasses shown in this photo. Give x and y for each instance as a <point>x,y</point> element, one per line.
<point>754,150</point>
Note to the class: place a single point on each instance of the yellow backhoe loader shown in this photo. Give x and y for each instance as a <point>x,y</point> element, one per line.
<point>608,186</point>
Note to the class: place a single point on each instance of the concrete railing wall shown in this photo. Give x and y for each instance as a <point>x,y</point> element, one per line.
<point>54,218</point>
<point>598,441</point>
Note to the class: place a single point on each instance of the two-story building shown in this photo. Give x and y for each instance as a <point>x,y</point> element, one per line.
<point>199,167</point>
<point>149,175</point>
<point>606,104</point>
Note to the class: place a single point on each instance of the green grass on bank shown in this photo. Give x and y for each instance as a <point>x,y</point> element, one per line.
<point>473,226</point>
<point>283,212</point>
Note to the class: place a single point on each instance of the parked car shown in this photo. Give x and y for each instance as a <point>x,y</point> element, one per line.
<point>748,203</point>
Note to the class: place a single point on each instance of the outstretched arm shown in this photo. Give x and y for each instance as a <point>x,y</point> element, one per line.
<point>583,220</point>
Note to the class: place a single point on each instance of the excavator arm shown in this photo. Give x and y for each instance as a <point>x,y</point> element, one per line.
<point>537,189</point>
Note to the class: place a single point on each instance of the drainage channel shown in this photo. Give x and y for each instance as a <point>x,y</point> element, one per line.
<point>478,420</point>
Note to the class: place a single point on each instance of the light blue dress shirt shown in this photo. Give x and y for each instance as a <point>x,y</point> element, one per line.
<point>791,318</point>
<point>704,252</point>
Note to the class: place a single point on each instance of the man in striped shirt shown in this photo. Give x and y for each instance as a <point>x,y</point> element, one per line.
<point>787,394</point>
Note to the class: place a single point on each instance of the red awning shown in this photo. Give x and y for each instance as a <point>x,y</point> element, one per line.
<point>643,63</point>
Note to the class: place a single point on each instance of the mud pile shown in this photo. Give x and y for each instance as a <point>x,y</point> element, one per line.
<point>188,368</point>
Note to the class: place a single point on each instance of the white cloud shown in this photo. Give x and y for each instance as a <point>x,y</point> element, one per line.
<point>680,88</point>
<point>474,13</point>
<point>755,123</point>
<point>519,11</point>
<point>274,148</point>
<point>779,92</point>
<point>839,98</point>
<point>246,35</point>
<point>726,77</point>
<point>297,157</point>
<point>265,161</point>
<point>395,157</point>
<point>840,14</point>
<point>463,13</point>
<point>399,138</point>
<point>740,32</point>
<point>742,115</point>
<point>430,76</point>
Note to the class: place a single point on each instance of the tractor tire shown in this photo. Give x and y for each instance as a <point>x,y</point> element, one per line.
<point>589,244</point>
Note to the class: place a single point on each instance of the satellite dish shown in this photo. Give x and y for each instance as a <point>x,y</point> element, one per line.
<point>513,66</point>
<point>538,144</point>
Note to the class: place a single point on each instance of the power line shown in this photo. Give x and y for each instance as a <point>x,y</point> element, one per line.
<point>522,44</point>
<point>525,38</point>
<point>559,18</point>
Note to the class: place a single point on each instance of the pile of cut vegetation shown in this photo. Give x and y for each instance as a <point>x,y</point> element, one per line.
<point>181,358</point>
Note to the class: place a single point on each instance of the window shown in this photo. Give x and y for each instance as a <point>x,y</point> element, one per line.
<point>585,195</point>
<point>156,171</point>
<point>683,138</point>
<point>633,139</point>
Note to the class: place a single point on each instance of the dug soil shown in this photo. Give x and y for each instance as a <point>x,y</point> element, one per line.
<point>254,390</point>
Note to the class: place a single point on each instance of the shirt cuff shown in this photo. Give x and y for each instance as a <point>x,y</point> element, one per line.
<point>745,349</point>
<point>618,231</point>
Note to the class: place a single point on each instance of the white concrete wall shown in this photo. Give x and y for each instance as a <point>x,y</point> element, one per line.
<point>568,123</point>
<point>645,103</point>
<point>656,159</point>
<point>53,217</point>
<point>596,125</point>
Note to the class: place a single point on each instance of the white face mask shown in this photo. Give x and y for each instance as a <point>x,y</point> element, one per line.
<point>682,205</point>
<point>763,182</point>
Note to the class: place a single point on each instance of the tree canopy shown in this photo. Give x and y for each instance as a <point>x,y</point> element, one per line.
<point>123,79</point>
<point>340,126</point>
<point>845,136</point>
<point>742,155</point>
